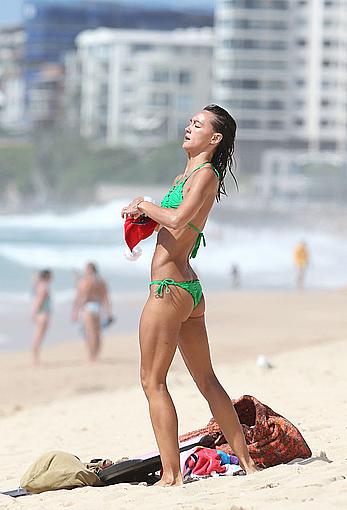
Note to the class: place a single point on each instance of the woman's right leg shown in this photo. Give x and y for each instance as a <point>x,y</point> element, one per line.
<point>159,328</point>
<point>41,325</point>
<point>193,345</point>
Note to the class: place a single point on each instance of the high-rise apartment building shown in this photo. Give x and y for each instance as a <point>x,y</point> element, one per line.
<point>12,41</point>
<point>51,27</point>
<point>317,103</point>
<point>139,86</point>
<point>281,69</point>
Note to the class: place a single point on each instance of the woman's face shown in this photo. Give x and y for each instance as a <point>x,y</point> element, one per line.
<point>199,133</point>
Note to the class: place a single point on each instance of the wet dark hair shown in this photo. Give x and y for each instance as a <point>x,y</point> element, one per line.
<point>223,158</point>
<point>45,274</point>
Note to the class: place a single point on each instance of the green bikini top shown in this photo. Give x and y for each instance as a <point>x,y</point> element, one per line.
<point>174,198</point>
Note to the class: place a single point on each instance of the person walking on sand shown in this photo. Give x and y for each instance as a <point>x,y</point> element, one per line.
<point>92,297</point>
<point>174,314</point>
<point>301,259</point>
<point>41,311</point>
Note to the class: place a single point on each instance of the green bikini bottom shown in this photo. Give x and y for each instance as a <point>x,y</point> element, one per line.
<point>192,286</point>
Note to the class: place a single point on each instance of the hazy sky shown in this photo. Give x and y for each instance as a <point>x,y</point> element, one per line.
<point>10,10</point>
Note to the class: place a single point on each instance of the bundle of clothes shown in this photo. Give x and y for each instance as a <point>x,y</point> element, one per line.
<point>202,462</point>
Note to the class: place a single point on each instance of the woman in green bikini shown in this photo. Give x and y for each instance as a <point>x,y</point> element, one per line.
<point>176,319</point>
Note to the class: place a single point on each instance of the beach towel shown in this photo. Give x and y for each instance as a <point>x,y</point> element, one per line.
<point>60,470</point>
<point>271,438</point>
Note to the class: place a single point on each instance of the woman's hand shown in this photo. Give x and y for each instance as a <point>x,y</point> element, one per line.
<point>133,212</point>
<point>132,209</point>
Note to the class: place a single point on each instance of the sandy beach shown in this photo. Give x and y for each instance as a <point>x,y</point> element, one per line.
<point>100,411</point>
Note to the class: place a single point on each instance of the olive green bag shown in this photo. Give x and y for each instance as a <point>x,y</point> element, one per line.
<point>60,470</point>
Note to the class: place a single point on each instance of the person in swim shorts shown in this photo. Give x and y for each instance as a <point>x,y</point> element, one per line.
<point>92,297</point>
<point>41,310</point>
<point>174,314</point>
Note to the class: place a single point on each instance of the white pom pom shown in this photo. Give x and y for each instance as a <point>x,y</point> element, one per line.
<point>132,256</point>
<point>149,199</point>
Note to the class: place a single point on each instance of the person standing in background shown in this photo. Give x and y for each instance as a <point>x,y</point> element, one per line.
<point>92,297</point>
<point>235,276</point>
<point>301,259</point>
<point>41,311</point>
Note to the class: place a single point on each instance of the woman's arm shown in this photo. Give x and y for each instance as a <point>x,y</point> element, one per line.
<point>202,187</point>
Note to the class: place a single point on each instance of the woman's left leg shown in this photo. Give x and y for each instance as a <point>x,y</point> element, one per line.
<point>159,328</point>
<point>41,321</point>
<point>193,345</point>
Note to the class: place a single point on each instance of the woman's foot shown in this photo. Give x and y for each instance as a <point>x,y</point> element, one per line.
<point>250,468</point>
<point>170,482</point>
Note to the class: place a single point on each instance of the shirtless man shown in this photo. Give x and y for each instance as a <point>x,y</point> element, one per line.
<point>92,297</point>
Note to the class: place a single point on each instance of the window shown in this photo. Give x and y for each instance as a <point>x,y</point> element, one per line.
<point>184,77</point>
<point>329,63</point>
<point>276,105</point>
<point>258,64</point>
<point>141,47</point>
<point>251,44</point>
<point>301,42</point>
<point>325,102</point>
<point>241,84</point>
<point>276,124</point>
<point>250,84</point>
<point>257,4</point>
<point>328,43</point>
<point>160,75</point>
<point>299,103</point>
<point>300,82</point>
<point>159,99</point>
<point>255,24</point>
<point>299,122</point>
<point>327,146</point>
<point>249,124</point>
<point>275,84</point>
<point>326,123</point>
<point>184,102</point>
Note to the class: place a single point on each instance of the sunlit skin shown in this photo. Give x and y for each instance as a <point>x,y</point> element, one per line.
<point>91,288</point>
<point>171,321</point>
<point>40,317</point>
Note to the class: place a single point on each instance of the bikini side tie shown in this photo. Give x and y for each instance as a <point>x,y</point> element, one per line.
<point>163,284</point>
<point>198,240</point>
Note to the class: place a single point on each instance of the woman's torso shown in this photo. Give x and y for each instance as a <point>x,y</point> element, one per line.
<point>173,248</point>
<point>46,304</point>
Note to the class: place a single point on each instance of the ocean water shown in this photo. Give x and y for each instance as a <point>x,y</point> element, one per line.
<point>65,242</point>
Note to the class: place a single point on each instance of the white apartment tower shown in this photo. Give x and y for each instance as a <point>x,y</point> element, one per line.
<point>281,69</point>
<point>12,96</point>
<point>140,86</point>
<point>318,91</point>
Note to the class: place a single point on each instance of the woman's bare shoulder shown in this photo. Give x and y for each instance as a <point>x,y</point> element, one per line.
<point>204,176</point>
